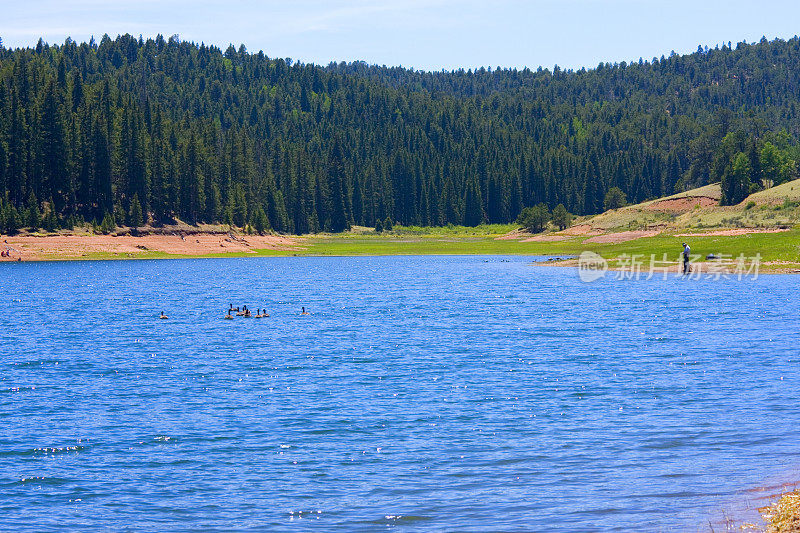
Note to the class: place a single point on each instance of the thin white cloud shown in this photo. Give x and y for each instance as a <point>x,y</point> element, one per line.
<point>344,15</point>
<point>82,17</point>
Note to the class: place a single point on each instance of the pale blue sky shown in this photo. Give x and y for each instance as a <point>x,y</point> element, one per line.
<point>425,34</point>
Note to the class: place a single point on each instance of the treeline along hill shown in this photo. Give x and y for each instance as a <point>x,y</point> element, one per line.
<point>145,131</point>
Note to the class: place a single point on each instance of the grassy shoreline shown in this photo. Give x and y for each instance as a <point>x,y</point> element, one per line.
<point>766,225</point>
<point>779,251</point>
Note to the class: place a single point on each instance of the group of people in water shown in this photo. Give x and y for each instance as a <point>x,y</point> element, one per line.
<point>243,312</point>
<point>247,313</point>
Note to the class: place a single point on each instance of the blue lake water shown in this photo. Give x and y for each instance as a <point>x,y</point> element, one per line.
<point>421,394</point>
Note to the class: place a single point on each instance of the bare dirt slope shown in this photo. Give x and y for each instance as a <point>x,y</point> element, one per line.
<point>75,246</point>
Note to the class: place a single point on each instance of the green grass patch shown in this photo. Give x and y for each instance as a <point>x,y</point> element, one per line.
<point>406,244</point>
<point>779,247</point>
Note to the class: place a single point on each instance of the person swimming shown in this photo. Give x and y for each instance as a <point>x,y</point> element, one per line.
<point>163,316</point>
<point>304,312</point>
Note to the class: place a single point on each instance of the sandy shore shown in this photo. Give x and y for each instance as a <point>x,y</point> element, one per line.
<point>783,516</point>
<point>50,247</point>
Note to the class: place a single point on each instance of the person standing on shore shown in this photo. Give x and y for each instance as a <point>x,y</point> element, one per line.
<point>686,253</point>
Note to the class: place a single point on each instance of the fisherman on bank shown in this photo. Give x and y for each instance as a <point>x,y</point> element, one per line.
<point>686,254</point>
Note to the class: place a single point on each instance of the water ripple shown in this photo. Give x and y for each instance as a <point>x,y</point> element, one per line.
<point>422,394</point>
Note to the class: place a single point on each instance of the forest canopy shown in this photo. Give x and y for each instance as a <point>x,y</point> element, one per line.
<point>132,131</point>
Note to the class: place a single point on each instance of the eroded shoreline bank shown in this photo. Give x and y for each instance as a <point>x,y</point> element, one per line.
<point>777,251</point>
<point>75,247</point>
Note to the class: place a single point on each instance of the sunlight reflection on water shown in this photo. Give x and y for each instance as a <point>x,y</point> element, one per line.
<point>425,393</point>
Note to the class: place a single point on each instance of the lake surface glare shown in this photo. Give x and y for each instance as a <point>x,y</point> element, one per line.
<point>422,394</point>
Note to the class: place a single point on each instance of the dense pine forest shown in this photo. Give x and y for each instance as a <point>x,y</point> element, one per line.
<point>132,131</point>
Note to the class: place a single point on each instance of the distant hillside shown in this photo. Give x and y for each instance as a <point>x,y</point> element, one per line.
<point>699,210</point>
<point>130,131</point>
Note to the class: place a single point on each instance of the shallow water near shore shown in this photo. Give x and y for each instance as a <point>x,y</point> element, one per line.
<point>422,393</point>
